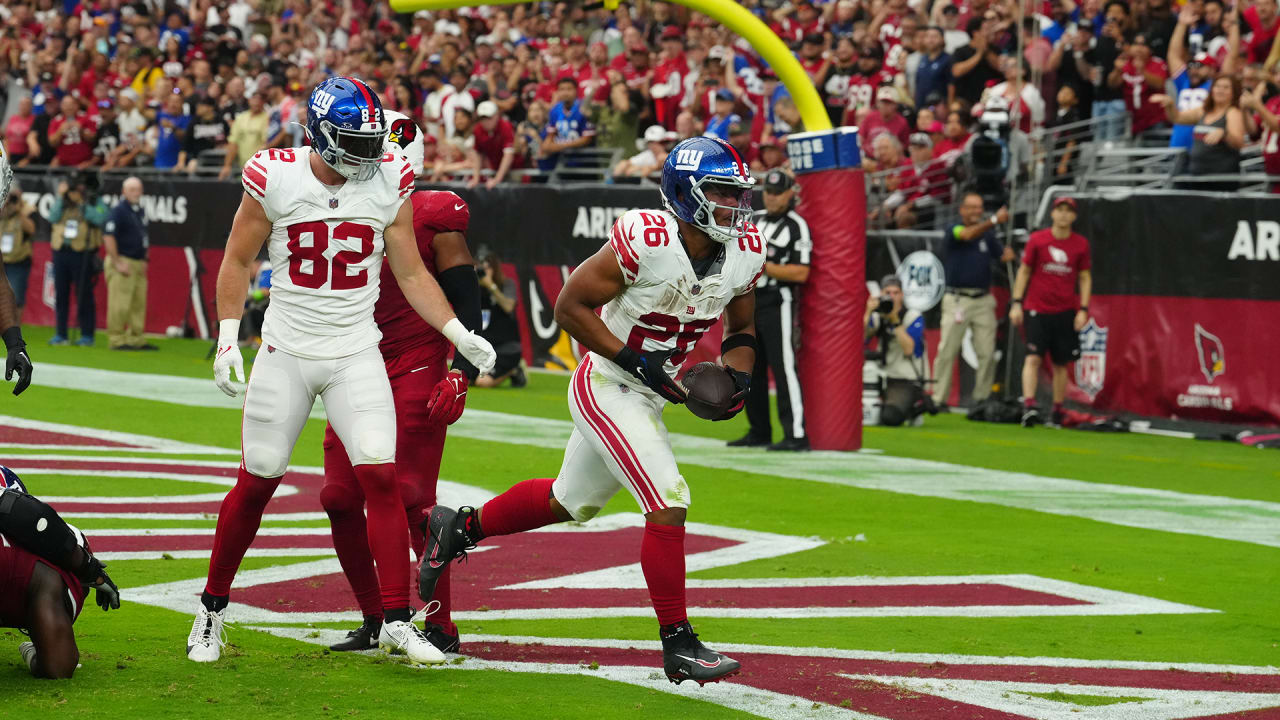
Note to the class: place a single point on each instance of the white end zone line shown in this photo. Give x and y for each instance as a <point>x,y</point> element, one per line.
<point>143,443</point>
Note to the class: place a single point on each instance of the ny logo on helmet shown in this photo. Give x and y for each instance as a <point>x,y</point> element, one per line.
<point>321,101</point>
<point>688,159</point>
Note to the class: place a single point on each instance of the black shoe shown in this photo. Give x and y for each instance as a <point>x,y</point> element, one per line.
<point>1031,417</point>
<point>791,445</point>
<point>144,346</point>
<point>749,440</point>
<point>447,539</point>
<point>1058,418</point>
<point>123,347</point>
<point>518,378</point>
<point>443,641</point>
<point>364,637</point>
<point>684,657</point>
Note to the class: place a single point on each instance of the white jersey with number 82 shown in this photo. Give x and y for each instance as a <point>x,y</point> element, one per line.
<point>326,250</point>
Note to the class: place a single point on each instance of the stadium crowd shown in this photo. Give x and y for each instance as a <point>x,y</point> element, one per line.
<point>203,84</point>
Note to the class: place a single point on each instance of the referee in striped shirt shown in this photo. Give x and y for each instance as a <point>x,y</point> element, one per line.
<point>777,303</point>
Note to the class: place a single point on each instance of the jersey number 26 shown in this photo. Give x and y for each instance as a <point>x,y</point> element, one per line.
<point>319,234</point>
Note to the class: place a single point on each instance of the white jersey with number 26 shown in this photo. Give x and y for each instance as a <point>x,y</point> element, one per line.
<point>665,305</point>
<point>325,249</point>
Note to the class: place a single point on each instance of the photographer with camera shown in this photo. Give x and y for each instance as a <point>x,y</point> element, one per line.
<point>901,352</point>
<point>498,323</point>
<point>78,215</point>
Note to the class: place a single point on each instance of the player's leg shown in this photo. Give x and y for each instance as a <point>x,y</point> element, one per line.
<point>1065,350</point>
<point>626,431</point>
<point>361,409</point>
<point>951,335</point>
<point>343,501</point>
<point>981,314</point>
<point>277,403</point>
<point>1034,328</point>
<point>49,620</point>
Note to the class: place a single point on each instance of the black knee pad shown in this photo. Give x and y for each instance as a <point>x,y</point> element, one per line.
<point>37,528</point>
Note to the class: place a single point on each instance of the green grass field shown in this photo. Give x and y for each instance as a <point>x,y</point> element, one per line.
<point>949,499</point>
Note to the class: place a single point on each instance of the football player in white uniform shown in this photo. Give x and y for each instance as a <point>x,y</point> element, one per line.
<point>17,360</point>
<point>663,279</point>
<point>405,138</point>
<point>324,212</point>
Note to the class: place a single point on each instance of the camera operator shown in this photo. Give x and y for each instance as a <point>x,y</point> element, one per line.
<point>901,354</point>
<point>498,323</point>
<point>997,154</point>
<point>78,216</point>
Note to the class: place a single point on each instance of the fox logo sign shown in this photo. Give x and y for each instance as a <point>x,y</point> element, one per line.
<point>688,159</point>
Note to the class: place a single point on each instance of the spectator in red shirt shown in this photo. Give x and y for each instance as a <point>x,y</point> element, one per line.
<point>811,50</point>
<point>1268,118</point>
<point>863,83</point>
<point>72,133</point>
<point>1262,18</point>
<point>932,188</point>
<point>495,141</point>
<point>638,71</point>
<point>667,89</point>
<point>793,23</point>
<point>895,172</point>
<point>1141,76</point>
<point>886,117</point>
<point>1054,262</point>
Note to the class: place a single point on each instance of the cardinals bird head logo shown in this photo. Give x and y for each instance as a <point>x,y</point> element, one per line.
<point>403,131</point>
<point>1212,356</point>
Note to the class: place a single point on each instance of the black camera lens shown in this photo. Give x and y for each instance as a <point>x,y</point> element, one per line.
<point>885,306</point>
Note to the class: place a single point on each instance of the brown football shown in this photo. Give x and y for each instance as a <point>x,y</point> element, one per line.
<point>709,390</point>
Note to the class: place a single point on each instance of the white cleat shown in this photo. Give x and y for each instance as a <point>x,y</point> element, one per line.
<point>28,652</point>
<point>405,638</point>
<point>207,637</point>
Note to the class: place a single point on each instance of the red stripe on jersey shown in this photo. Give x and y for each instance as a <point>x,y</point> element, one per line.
<point>625,253</point>
<point>406,180</point>
<point>254,181</point>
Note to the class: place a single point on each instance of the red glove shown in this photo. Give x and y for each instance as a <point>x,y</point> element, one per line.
<point>448,398</point>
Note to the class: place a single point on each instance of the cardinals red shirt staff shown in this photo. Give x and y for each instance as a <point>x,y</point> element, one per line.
<point>428,398</point>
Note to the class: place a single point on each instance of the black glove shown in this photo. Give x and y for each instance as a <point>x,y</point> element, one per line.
<point>742,385</point>
<point>108,595</point>
<point>18,360</point>
<point>650,369</point>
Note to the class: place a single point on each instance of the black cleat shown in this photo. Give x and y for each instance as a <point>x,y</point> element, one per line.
<point>684,657</point>
<point>447,540</point>
<point>518,378</point>
<point>443,641</point>
<point>791,445</point>
<point>749,440</point>
<point>1031,417</point>
<point>364,637</point>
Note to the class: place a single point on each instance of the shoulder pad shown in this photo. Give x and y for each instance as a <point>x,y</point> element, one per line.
<point>637,235</point>
<point>440,210</point>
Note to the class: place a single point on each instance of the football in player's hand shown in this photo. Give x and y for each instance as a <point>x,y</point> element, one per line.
<point>710,390</point>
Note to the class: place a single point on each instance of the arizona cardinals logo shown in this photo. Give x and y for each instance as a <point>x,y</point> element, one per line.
<point>403,131</point>
<point>1212,356</point>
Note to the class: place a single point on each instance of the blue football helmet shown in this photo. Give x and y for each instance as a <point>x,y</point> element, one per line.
<point>347,127</point>
<point>697,165</point>
<point>9,480</point>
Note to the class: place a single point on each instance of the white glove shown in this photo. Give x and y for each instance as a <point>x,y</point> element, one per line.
<point>228,357</point>
<point>474,348</point>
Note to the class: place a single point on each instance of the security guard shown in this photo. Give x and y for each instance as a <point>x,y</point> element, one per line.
<point>77,215</point>
<point>125,239</point>
<point>968,303</point>
<point>16,230</point>
<point>777,303</point>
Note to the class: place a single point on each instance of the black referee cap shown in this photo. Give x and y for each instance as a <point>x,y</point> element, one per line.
<point>777,181</point>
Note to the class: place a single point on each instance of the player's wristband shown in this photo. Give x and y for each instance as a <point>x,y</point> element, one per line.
<point>229,332</point>
<point>454,331</point>
<point>738,340</point>
<point>1016,301</point>
<point>13,338</point>
<point>1084,309</point>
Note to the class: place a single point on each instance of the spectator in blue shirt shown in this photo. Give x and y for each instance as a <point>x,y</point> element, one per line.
<point>171,128</point>
<point>1192,78</point>
<point>933,76</point>
<point>567,126</point>
<point>718,124</point>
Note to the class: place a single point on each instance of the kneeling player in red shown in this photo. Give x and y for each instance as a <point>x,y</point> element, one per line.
<point>662,280</point>
<point>46,570</point>
<point>427,400</point>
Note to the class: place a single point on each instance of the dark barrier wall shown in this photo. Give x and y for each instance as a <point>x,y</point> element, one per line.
<point>1187,291</point>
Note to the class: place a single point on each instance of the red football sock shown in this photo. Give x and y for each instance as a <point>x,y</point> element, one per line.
<point>343,500</point>
<point>388,532</point>
<point>525,506</point>
<point>662,560</point>
<point>238,519</point>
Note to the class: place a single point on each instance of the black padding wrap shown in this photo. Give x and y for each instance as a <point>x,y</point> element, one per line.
<point>21,519</point>
<point>13,338</point>
<point>738,340</point>
<point>462,289</point>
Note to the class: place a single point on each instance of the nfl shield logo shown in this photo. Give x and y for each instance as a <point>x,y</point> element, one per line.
<point>333,203</point>
<point>1091,368</point>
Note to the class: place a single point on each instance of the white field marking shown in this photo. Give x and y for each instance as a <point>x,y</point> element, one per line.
<point>1251,521</point>
<point>762,703</point>
<point>267,518</point>
<point>1012,697</point>
<point>180,532</point>
<point>144,443</point>
<point>283,490</point>
<point>888,656</point>
<point>204,554</point>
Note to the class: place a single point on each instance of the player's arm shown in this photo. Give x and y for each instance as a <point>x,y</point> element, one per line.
<point>424,293</point>
<point>54,654</point>
<point>738,351</point>
<point>594,283</point>
<point>16,360</point>
<point>249,230</point>
<point>457,278</point>
<point>1020,283</point>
